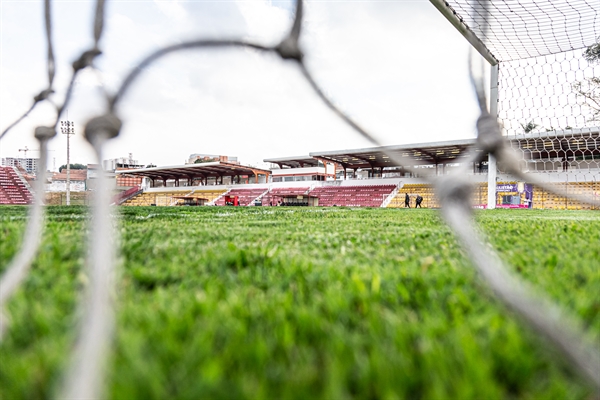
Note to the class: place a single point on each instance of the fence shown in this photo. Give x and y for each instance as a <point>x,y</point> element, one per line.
<point>478,22</point>
<point>60,199</point>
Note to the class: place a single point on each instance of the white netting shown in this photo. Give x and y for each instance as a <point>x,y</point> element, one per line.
<point>514,30</point>
<point>509,31</point>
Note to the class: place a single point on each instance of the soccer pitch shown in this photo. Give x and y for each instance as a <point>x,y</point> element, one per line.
<point>277,302</point>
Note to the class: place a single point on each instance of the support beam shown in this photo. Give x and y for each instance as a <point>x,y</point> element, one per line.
<point>491,204</point>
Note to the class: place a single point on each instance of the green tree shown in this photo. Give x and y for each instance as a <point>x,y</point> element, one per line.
<point>73,166</point>
<point>205,160</point>
<point>592,53</point>
<point>528,127</point>
<point>588,90</point>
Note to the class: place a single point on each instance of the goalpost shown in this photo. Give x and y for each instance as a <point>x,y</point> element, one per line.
<point>544,88</point>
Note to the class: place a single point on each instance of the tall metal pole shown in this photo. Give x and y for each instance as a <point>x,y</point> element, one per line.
<point>492,168</point>
<point>68,128</point>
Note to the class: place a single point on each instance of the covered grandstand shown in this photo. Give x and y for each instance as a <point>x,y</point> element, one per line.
<point>368,177</point>
<point>550,151</point>
<point>203,174</point>
<point>364,177</point>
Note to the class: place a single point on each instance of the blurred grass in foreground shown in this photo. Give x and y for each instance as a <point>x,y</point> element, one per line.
<point>223,302</point>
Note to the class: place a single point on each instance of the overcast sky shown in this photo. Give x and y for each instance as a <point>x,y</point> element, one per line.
<point>397,67</point>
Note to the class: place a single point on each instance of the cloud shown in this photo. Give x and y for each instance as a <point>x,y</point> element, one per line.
<point>173,10</point>
<point>398,68</point>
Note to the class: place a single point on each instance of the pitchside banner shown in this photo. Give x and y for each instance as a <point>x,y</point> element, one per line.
<point>512,195</point>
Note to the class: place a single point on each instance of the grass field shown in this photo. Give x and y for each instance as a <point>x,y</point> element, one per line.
<point>279,302</point>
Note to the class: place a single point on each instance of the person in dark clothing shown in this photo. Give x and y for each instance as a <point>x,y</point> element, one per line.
<point>418,201</point>
<point>407,201</point>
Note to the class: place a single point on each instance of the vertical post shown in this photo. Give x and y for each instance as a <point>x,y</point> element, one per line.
<point>68,128</point>
<point>492,169</point>
<point>68,170</point>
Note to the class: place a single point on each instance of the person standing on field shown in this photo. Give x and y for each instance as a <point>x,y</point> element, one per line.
<point>418,201</point>
<point>407,201</point>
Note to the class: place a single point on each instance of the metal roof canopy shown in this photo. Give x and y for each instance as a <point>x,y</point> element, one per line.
<point>540,144</point>
<point>513,30</point>
<point>201,170</point>
<point>375,157</point>
<point>554,144</point>
<point>294,162</point>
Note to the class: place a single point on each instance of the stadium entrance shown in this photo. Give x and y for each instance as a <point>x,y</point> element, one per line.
<point>298,201</point>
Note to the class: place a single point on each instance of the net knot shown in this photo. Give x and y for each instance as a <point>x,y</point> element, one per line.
<point>86,59</point>
<point>44,132</point>
<point>455,190</point>
<point>43,95</point>
<point>489,138</point>
<point>107,126</point>
<point>289,49</point>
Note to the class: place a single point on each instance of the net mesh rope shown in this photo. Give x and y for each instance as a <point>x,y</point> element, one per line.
<point>514,30</point>
<point>546,106</point>
<point>511,31</point>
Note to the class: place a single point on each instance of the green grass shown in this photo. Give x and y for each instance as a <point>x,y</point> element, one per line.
<point>332,303</point>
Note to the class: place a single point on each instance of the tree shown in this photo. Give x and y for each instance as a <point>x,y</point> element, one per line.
<point>592,53</point>
<point>205,160</point>
<point>73,166</point>
<point>588,90</point>
<point>528,127</point>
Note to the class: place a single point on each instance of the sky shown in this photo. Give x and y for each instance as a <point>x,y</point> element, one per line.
<point>397,67</point>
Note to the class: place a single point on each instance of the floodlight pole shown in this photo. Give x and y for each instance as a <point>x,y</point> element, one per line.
<point>68,128</point>
<point>492,168</point>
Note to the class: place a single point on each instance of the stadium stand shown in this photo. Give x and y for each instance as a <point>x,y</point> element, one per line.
<point>352,196</point>
<point>480,195</point>
<point>166,198</point>
<point>12,188</point>
<point>122,197</point>
<point>414,189</point>
<point>429,198</point>
<point>543,199</point>
<point>245,196</point>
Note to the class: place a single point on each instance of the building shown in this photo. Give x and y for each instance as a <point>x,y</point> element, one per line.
<point>78,178</point>
<point>302,168</point>
<point>123,181</point>
<point>205,158</point>
<point>122,162</point>
<point>28,164</point>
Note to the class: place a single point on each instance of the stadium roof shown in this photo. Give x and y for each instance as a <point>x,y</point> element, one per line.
<point>513,30</point>
<point>294,162</point>
<point>539,145</point>
<point>376,157</point>
<point>201,170</point>
<point>545,145</point>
